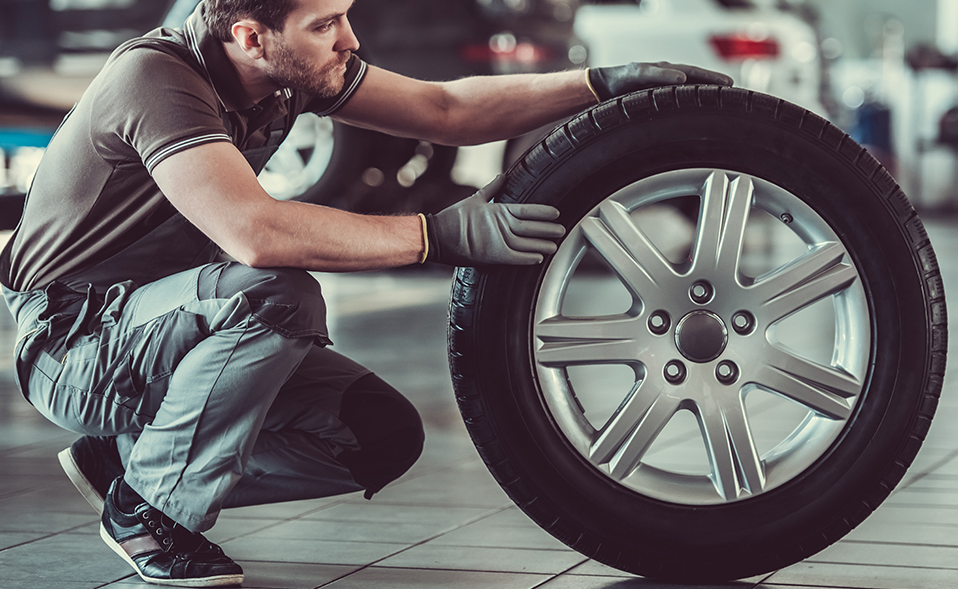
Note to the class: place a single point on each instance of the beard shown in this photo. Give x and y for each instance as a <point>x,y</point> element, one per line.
<point>291,71</point>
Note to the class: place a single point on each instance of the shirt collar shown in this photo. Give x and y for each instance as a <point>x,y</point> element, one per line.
<point>209,51</point>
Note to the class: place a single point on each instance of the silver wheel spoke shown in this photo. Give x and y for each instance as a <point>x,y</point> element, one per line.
<point>287,161</point>
<point>607,340</point>
<point>735,461</point>
<point>825,390</point>
<point>725,210</point>
<point>628,250</point>
<point>808,279</point>
<point>627,436</point>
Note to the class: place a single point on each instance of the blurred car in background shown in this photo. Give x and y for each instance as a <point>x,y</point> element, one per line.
<point>763,44</point>
<point>321,160</point>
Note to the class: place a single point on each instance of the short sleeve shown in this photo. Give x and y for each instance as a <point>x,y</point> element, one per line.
<point>151,105</point>
<point>355,73</point>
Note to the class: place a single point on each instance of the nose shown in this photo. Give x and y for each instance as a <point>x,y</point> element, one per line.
<point>347,39</point>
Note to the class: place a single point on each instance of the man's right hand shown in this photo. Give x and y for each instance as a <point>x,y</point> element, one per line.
<point>476,232</point>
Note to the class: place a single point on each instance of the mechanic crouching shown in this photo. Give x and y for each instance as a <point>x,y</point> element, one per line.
<point>198,384</point>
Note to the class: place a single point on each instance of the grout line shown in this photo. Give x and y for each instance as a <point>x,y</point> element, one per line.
<point>764,580</point>
<point>884,566</point>
<point>909,544</point>
<point>557,575</point>
<point>421,542</point>
<point>935,466</point>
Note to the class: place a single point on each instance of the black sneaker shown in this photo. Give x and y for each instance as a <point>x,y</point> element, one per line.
<point>92,463</point>
<point>162,551</point>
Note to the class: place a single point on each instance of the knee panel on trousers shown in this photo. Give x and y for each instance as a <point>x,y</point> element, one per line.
<point>389,431</point>
<point>288,301</point>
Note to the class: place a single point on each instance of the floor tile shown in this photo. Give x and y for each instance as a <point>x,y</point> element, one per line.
<point>354,531</point>
<point>397,578</point>
<point>861,577</point>
<point>229,528</point>
<point>62,558</point>
<point>571,581</point>
<point>492,532</point>
<point>594,568</point>
<point>597,582</point>
<point>311,551</point>
<point>264,575</point>
<point>284,511</point>
<point>889,554</point>
<point>931,534</point>
<point>459,487</point>
<point>279,575</point>
<point>507,560</point>
<point>11,539</point>
<point>370,511</point>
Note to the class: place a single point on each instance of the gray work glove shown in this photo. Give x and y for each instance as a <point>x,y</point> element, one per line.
<point>476,232</point>
<point>609,82</point>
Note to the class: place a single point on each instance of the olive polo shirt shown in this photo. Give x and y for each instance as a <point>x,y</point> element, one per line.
<point>93,194</point>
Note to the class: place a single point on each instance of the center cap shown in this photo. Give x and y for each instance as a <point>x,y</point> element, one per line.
<point>701,336</point>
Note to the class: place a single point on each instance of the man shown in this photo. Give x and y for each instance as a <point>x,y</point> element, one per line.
<point>200,385</point>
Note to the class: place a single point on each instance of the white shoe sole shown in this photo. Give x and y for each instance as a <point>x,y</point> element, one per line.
<point>217,581</point>
<point>72,469</point>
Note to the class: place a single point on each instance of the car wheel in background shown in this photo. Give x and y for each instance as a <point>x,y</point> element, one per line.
<point>317,160</point>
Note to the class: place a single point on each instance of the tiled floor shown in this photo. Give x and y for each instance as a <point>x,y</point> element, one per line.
<point>446,523</point>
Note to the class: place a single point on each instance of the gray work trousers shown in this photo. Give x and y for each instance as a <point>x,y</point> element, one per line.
<point>216,380</point>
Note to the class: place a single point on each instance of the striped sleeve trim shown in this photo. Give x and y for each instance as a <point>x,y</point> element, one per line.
<point>348,93</point>
<point>169,150</point>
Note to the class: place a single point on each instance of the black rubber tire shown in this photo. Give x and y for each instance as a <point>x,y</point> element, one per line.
<point>645,133</point>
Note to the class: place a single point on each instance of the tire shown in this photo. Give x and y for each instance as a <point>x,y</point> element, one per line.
<point>705,400</point>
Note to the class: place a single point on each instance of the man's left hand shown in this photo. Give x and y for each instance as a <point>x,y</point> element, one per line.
<point>609,82</point>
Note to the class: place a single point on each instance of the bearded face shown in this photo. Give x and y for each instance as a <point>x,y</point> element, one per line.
<point>288,70</point>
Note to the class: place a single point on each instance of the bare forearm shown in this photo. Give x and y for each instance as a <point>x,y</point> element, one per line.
<point>492,108</point>
<point>301,235</point>
<point>214,187</point>
<point>468,111</point>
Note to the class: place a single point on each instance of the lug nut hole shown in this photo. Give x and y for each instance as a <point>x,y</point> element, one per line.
<point>701,292</point>
<point>660,322</point>
<point>675,372</point>
<point>726,372</point>
<point>743,322</point>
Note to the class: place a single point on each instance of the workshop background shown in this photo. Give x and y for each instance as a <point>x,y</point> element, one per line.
<point>885,71</point>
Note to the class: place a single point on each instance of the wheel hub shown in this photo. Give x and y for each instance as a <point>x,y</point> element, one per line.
<point>701,336</point>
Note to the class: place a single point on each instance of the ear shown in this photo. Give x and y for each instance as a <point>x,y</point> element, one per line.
<point>249,36</point>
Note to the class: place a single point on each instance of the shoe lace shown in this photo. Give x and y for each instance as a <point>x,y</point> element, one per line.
<point>160,527</point>
<point>174,538</point>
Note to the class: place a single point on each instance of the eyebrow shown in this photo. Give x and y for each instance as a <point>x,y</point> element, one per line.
<point>328,17</point>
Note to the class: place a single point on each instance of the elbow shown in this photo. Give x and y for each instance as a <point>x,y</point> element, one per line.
<point>256,252</point>
<point>448,124</point>
<point>248,256</point>
<point>252,247</point>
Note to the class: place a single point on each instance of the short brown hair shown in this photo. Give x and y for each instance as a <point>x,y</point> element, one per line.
<point>221,15</point>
